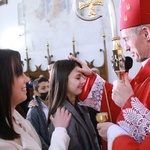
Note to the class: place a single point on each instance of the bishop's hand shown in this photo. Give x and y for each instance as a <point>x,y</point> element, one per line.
<point>85,69</point>
<point>122,91</point>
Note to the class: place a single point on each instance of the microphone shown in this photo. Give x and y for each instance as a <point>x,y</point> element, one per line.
<point>128,63</point>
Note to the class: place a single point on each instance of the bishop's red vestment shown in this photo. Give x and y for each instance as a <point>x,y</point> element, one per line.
<point>96,93</point>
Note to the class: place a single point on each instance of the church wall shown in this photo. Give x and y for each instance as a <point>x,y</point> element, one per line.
<point>30,25</point>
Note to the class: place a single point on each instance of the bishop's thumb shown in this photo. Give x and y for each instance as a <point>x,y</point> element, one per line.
<point>126,79</point>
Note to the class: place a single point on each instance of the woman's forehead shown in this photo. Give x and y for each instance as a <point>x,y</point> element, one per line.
<point>76,70</point>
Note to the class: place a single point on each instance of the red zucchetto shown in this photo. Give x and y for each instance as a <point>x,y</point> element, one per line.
<point>134,13</point>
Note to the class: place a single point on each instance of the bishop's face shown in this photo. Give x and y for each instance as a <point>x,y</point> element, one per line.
<point>136,43</point>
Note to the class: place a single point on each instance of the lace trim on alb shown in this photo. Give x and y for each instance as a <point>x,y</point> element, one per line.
<point>136,120</point>
<point>95,96</point>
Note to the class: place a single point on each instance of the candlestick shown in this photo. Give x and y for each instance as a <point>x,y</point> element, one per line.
<point>48,54</point>
<point>27,60</point>
<point>27,52</point>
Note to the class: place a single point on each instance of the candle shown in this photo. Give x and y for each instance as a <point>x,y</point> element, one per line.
<point>48,49</point>
<point>27,52</point>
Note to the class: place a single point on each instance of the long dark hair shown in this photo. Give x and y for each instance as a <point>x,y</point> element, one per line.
<point>10,66</point>
<point>58,83</point>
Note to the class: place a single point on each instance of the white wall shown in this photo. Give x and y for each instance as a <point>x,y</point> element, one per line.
<point>58,30</point>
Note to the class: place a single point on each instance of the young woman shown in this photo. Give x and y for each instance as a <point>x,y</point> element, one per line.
<point>16,133</point>
<point>65,85</point>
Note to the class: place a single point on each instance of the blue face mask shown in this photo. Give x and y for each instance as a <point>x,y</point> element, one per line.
<point>44,96</point>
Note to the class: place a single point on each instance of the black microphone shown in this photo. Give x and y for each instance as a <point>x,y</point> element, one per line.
<point>128,63</point>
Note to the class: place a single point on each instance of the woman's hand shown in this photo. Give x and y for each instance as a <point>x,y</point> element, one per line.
<point>32,103</point>
<point>62,118</point>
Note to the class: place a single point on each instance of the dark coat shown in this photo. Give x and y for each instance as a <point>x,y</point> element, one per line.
<point>81,130</point>
<point>38,119</point>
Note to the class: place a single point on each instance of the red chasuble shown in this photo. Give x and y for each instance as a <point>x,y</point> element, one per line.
<point>134,117</point>
<point>141,87</point>
<point>125,142</point>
